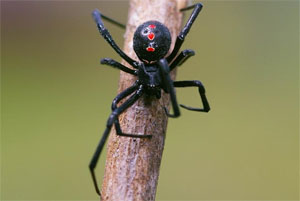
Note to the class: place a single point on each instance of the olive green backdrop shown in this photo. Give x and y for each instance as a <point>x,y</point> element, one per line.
<point>56,98</point>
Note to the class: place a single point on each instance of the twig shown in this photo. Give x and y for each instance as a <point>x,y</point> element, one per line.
<point>132,164</point>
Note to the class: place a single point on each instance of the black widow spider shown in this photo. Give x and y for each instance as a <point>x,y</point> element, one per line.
<point>151,43</point>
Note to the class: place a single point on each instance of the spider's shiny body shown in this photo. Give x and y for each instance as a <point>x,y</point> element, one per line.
<point>151,43</point>
<point>150,78</point>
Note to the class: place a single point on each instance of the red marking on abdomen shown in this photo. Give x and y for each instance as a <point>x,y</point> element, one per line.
<point>152,26</point>
<point>150,49</point>
<point>151,36</point>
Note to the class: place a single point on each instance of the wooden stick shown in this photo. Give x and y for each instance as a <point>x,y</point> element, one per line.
<point>132,164</point>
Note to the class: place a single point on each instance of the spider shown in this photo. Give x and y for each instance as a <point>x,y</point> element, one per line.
<point>151,43</point>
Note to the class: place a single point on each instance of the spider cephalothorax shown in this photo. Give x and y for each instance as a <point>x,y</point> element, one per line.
<point>151,41</point>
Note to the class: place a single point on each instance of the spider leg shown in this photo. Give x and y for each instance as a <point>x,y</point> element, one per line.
<point>121,96</point>
<point>169,88</point>
<point>195,83</point>
<point>124,94</point>
<point>115,64</point>
<point>180,38</point>
<point>106,35</point>
<point>114,115</point>
<point>120,132</point>
<point>123,26</point>
<point>181,58</point>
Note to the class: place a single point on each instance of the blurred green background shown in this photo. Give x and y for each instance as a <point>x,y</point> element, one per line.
<point>56,98</point>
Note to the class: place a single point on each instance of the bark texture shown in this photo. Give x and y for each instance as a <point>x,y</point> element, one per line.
<point>132,164</point>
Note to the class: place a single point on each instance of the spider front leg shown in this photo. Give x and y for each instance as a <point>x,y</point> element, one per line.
<point>106,35</point>
<point>169,88</point>
<point>201,89</point>
<point>121,96</point>
<point>112,118</point>
<point>180,38</point>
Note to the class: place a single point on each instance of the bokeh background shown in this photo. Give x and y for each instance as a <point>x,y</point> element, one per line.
<point>56,98</point>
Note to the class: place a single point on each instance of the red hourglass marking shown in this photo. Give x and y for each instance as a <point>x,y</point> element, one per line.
<point>150,49</point>
<point>152,26</point>
<point>151,36</point>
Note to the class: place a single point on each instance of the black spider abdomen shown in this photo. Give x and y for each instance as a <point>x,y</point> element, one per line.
<point>151,41</point>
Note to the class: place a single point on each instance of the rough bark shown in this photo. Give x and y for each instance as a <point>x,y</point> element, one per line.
<point>132,164</point>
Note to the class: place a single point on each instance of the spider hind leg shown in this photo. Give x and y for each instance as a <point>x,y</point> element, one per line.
<point>123,26</point>
<point>106,35</point>
<point>180,38</point>
<point>181,58</point>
